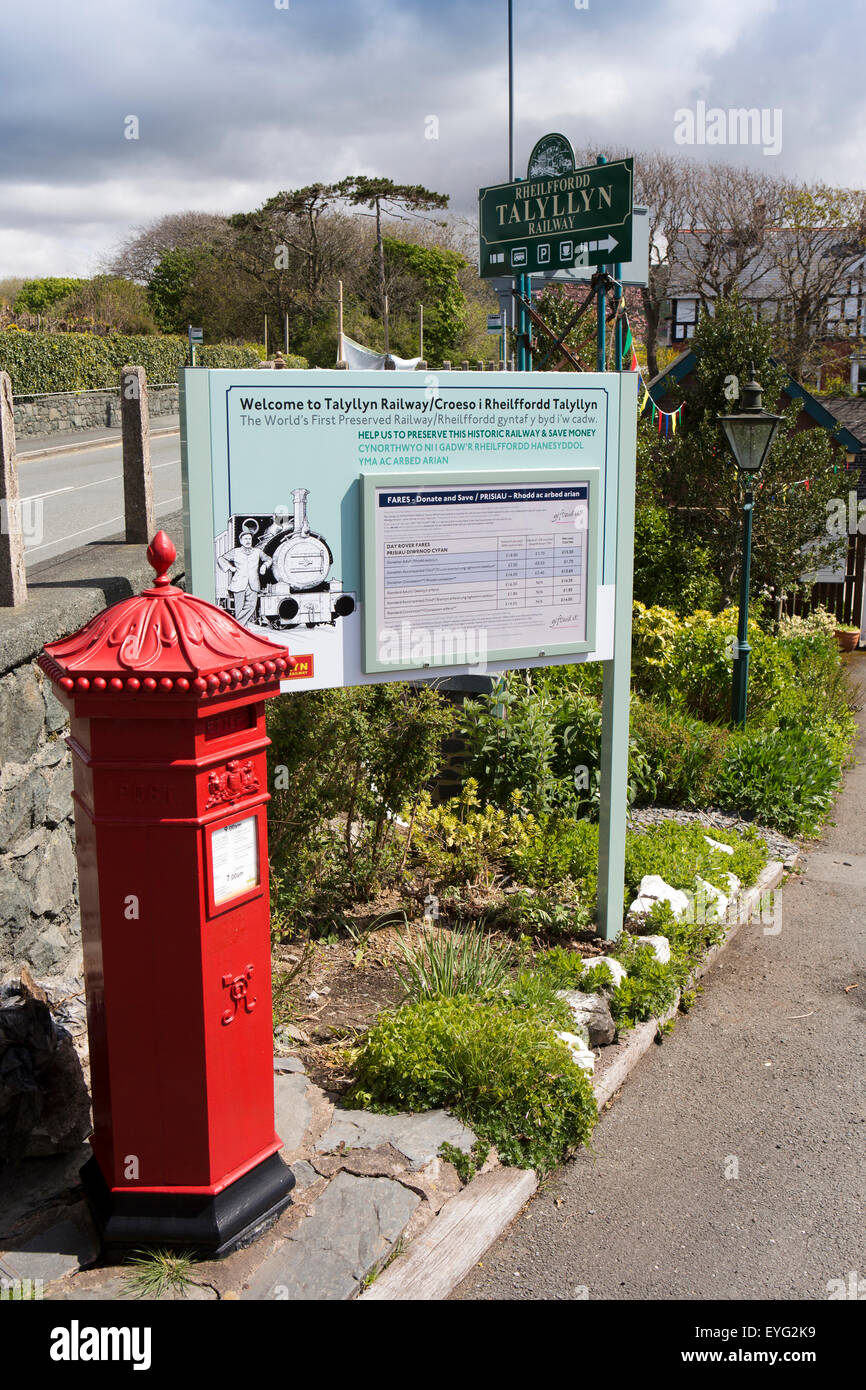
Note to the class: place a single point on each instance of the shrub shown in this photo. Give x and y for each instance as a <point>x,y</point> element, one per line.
<point>341,765</point>
<point>559,849</point>
<point>511,736</point>
<point>500,1069</point>
<point>560,909</point>
<point>670,568</point>
<point>783,777</point>
<point>45,362</point>
<point>648,990</point>
<point>680,755</point>
<point>461,840</point>
<point>678,852</point>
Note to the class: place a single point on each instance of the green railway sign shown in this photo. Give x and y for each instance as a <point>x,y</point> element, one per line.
<point>555,222</point>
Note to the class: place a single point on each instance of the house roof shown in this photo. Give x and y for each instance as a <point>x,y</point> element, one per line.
<point>843,417</point>
<point>759,277</point>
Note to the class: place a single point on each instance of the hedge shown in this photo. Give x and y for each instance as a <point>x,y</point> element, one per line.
<point>38,362</point>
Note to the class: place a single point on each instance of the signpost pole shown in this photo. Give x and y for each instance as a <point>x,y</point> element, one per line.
<point>617,332</point>
<point>600,308</point>
<point>616,677</point>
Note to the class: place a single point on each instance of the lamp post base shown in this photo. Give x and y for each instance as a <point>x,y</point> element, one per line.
<point>211,1226</point>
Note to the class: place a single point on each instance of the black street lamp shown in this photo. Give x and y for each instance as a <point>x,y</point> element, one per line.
<point>750,434</point>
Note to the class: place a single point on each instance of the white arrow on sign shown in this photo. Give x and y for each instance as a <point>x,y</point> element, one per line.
<point>607,245</point>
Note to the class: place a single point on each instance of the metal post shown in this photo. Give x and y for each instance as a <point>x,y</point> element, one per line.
<point>510,92</point>
<point>618,566</point>
<point>740,685</point>
<point>600,309</point>
<point>617,336</point>
<point>421,333</point>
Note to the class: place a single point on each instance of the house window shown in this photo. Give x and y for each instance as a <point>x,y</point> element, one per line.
<point>685,313</point>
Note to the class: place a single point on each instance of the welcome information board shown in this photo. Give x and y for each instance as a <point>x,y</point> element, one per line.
<point>405,524</point>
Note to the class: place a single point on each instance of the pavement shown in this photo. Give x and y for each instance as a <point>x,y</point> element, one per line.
<point>732,1166</point>
<point>365,1185</point>
<point>72,486</point>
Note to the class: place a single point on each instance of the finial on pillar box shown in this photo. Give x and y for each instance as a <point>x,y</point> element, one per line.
<point>161,554</point>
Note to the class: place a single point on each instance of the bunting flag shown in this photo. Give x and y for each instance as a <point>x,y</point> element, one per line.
<point>629,356</point>
<point>665,420</point>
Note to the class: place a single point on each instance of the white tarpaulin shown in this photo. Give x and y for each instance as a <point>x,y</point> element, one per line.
<point>362,359</point>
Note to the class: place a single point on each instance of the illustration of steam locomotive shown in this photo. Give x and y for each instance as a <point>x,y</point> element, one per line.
<point>287,566</point>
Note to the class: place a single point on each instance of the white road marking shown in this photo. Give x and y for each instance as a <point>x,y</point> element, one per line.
<point>40,496</point>
<point>71,537</point>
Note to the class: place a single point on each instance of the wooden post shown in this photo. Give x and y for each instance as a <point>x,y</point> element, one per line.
<point>13,581</point>
<point>137,474</point>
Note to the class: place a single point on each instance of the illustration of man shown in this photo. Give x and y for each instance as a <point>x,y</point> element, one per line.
<point>245,564</point>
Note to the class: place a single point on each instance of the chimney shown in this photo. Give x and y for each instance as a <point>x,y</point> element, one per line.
<point>302,526</point>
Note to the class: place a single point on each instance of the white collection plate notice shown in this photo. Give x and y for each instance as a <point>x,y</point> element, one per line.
<point>503,567</point>
<point>235,859</point>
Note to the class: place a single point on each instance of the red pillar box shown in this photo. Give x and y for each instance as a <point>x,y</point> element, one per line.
<point>166,695</point>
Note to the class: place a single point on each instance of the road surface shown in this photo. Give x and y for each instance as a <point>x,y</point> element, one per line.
<point>80,495</point>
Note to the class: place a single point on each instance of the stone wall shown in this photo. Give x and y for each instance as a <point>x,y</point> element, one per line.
<point>83,410</point>
<point>39,922</point>
<point>38,894</point>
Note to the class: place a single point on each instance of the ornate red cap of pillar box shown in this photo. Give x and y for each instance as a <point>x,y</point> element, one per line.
<point>166,695</point>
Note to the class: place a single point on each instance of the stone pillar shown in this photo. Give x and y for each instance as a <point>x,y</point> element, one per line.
<point>137,474</point>
<point>422,365</point>
<point>464,366</point>
<point>13,582</point>
<point>446,366</point>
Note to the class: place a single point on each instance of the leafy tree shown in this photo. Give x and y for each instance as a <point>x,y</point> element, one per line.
<point>38,296</point>
<point>108,302</point>
<point>169,288</point>
<point>694,473</point>
<point>436,270</point>
<point>138,256</point>
<point>396,200</point>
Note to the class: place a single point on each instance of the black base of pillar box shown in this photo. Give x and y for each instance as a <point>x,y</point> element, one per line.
<point>211,1227</point>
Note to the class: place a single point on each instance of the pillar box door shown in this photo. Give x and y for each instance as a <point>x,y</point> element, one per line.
<point>166,695</point>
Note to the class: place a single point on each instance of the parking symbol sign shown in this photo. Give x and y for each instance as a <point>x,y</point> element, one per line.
<point>543,254</point>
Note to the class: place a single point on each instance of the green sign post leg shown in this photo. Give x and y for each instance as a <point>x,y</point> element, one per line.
<point>618,570</point>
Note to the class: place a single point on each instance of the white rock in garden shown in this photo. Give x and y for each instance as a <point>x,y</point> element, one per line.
<point>579,1051</point>
<point>653,889</point>
<point>717,844</point>
<point>734,884</point>
<point>617,970</point>
<point>661,947</point>
<point>715,902</point>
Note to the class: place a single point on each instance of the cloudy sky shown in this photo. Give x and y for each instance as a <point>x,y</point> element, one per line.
<point>236,99</point>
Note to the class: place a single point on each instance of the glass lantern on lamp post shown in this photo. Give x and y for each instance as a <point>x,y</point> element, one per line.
<point>750,434</point>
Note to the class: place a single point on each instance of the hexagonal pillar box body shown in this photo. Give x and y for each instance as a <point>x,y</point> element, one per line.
<point>166,695</point>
